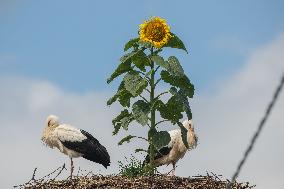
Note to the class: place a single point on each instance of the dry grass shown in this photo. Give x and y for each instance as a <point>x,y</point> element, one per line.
<point>209,181</point>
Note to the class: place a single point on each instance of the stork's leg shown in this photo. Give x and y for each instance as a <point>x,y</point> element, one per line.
<point>72,168</point>
<point>174,169</point>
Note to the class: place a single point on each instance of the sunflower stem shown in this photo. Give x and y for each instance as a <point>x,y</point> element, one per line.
<point>152,118</point>
<point>144,98</point>
<point>162,121</point>
<point>158,81</point>
<point>161,94</point>
<point>157,69</point>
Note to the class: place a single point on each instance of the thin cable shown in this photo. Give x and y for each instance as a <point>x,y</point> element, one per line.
<point>256,134</point>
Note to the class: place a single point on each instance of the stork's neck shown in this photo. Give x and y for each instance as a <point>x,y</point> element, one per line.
<point>191,138</point>
<point>49,129</point>
<point>187,127</point>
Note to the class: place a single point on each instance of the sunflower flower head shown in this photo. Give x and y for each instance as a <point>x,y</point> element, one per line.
<point>156,31</point>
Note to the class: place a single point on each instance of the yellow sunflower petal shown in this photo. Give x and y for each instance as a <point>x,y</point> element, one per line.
<point>156,31</point>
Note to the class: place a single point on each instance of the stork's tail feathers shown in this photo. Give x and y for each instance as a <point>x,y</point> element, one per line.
<point>101,156</point>
<point>97,152</point>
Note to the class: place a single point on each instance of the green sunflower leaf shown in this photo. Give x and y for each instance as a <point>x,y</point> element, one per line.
<point>123,67</point>
<point>140,110</point>
<point>126,139</point>
<point>122,120</point>
<point>157,104</point>
<point>161,138</point>
<point>145,44</point>
<point>131,43</point>
<point>140,60</point>
<point>172,110</point>
<point>180,82</point>
<point>140,150</point>
<point>122,95</point>
<point>160,61</point>
<point>174,67</point>
<point>183,134</point>
<point>182,99</point>
<point>134,83</point>
<point>175,42</point>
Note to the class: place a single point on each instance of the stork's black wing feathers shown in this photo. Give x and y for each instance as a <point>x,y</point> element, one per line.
<point>158,153</point>
<point>162,152</point>
<point>90,148</point>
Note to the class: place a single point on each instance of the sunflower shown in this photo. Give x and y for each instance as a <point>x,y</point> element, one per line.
<point>156,31</point>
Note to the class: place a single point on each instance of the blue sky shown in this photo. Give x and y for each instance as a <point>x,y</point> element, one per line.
<point>55,57</point>
<point>77,45</point>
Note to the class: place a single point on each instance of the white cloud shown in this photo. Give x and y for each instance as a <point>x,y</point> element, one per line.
<point>224,121</point>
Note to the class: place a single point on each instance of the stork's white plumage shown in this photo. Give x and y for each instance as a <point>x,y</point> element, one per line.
<point>176,149</point>
<point>74,142</point>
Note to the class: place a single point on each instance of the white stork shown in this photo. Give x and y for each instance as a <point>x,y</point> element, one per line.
<point>74,142</point>
<point>176,149</point>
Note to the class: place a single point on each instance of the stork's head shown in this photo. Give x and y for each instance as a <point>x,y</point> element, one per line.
<point>188,124</point>
<point>52,121</point>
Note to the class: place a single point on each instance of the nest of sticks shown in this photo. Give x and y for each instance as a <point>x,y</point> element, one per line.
<point>91,181</point>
